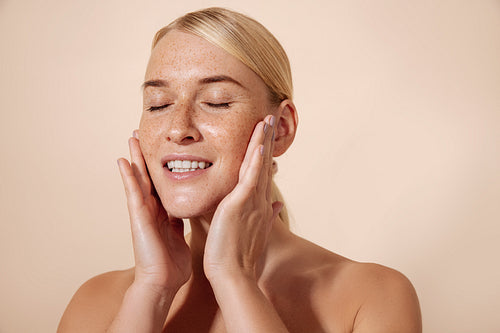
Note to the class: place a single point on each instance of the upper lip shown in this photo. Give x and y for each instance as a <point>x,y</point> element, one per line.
<point>182,157</point>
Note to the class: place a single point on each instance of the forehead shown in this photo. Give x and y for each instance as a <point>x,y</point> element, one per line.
<point>180,55</point>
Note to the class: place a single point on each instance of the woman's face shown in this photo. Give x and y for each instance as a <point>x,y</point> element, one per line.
<point>201,105</point>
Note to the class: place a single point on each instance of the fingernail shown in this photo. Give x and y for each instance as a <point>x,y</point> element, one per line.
<point>271,121</point>
<point>262,150</point>
<point>265,127</point>
<point>135,134</point>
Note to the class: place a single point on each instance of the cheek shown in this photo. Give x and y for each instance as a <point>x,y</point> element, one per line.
<point>148,135</point>
<point>231,135</point>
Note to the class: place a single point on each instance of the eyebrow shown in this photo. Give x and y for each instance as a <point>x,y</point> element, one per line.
<point>154,83</point>
<point>220,78</point>
<point>206,80</point>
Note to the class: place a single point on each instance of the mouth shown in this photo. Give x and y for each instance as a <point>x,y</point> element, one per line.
<point>186,165</point>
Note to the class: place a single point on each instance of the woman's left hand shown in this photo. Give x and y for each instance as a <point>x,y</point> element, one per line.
<point>242,222</point>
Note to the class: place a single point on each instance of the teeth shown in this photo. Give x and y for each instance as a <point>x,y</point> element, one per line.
<point>185,165</point>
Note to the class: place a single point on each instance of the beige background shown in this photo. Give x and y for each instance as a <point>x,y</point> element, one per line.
<point>397,158</point>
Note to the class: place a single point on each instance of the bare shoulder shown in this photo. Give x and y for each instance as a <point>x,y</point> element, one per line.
<point>96,302</point>
<point>335,294</point>
<point>385,300</point>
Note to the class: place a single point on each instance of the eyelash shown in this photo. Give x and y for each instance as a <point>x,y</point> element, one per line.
<point>156,108</point>
<point>219,105</point>
<point>212,105</point>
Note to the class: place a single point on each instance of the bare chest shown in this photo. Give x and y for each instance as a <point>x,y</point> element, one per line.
<point>301,311</point>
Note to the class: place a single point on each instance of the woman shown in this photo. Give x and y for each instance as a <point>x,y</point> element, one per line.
<point>217,108</point>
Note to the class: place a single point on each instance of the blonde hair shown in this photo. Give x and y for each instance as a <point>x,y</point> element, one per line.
<point>248,41</point>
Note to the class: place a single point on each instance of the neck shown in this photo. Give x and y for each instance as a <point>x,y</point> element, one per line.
<point>197,239</point>
<point>200,227</point>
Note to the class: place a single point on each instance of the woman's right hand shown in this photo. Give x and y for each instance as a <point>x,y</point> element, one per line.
<point>162,256</point>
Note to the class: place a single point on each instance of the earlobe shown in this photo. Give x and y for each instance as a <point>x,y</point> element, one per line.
<point>285,127</point>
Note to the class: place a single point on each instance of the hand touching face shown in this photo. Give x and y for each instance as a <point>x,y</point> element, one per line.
<point>201,106</point>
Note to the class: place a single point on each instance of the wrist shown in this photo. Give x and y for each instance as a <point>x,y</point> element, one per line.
<point>229,270</point>
<point>231,278</point>
<point>241,298</point>
<point>158,296</point>
<point>143,309</point>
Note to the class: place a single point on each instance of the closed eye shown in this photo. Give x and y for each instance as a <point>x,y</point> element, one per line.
<point>155,108</point>
<point>219,105</point>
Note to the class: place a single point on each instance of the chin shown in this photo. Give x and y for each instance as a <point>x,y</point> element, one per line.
<point>195,198</point>
<point>188,207</point>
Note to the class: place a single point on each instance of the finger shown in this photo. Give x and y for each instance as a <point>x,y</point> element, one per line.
<point>141,223</point>
<point>265,173</point>
<point>270,166</point>
<point>251,176</point>
<point>133,191</point>
<point>139,166</point>
<point>255,140</point>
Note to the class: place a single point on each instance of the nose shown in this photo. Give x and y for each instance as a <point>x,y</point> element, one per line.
<point>181,126</point>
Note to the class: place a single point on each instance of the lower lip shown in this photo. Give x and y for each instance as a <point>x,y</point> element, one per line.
<point>184,175</point>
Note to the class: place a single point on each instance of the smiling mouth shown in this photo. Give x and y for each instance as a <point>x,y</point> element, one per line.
<point>186,165</point>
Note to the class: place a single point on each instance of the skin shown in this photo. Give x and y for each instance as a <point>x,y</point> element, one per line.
<point>197,128</point>
<point>241,269</point>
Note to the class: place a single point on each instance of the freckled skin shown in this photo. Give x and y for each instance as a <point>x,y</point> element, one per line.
<point>202,286</point>
<point>190,126</point>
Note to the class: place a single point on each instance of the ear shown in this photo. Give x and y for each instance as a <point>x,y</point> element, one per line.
<point>286,127</point>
